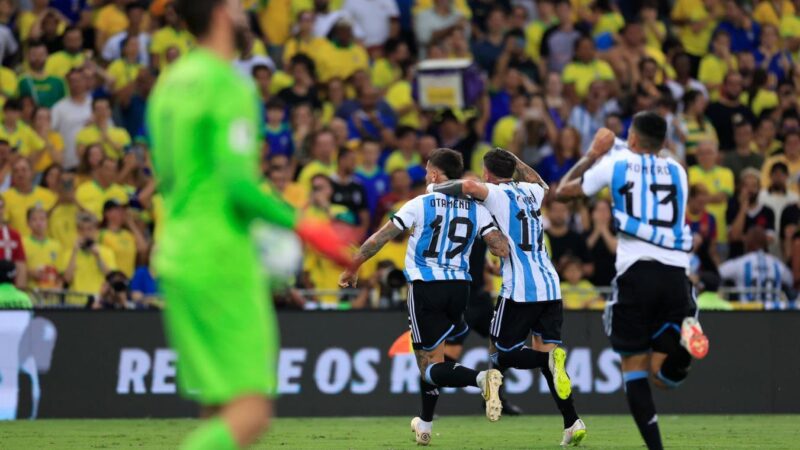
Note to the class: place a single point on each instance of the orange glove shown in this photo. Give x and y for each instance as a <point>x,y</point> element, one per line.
<point>325,239</point>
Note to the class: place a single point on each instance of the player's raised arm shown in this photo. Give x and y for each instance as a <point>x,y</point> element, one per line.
<point>462,188</point>
<point>373,245</point>
<point>527,174</point>
<point>570,185</point>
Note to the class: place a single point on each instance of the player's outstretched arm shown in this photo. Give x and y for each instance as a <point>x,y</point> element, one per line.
<point>462,188</point>
<point>570,185</point>
<point>527,174</point>
<point>497,243</point>
<point>373,245</point>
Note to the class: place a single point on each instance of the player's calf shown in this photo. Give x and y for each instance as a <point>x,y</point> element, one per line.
<point>670,361</point>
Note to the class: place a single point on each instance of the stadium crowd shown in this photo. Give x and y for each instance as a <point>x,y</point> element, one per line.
<point>346,138</point>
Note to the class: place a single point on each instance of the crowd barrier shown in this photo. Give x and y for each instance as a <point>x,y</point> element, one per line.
<point>71,364</point>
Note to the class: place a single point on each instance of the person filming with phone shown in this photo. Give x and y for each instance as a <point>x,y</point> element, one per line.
<point>89,262</point>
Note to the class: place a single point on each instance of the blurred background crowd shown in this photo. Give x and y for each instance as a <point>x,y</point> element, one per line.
<point>346,133</point>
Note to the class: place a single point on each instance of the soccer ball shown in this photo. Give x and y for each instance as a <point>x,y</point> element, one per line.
<point>279,250</point>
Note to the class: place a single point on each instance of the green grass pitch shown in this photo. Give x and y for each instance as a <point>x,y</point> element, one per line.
<point>473,432</point>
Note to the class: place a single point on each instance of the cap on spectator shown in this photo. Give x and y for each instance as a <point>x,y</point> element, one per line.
<point>8,271</point>
<point>113,203</point>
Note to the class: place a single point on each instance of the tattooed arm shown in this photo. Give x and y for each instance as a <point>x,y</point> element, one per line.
<point>570,185</point>
<point>372,246</point>
<point>497,243</point>
<point>527,174</point>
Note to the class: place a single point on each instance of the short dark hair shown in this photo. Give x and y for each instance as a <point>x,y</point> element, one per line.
<point>258,68</point>
<point>343,151</point>
<point>403,131</point>
<point>500,163</point>
<point>12,104</point>
<point>779,166</point>
<point>448,161</point>
<point>276,103</point>
<point>32,43</point>
<point>101,98</point>
<point>651,130</point>
<point>197,14</point>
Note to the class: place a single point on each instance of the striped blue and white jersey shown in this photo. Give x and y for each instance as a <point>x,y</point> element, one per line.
<point>648,195</point>
<point>759,275</point>
<point>528,273</point>
<point>443,230</point>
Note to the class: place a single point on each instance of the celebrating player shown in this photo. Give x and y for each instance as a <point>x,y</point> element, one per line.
<point>651,318</point>
<point>530,299</point>
<point>437,266</point>
<point>203,118</point>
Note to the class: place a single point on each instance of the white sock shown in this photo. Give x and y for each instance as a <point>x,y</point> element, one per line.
<point>481,378</point>
<point>425,426</point>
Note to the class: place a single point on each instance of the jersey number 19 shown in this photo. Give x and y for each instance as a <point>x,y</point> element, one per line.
<point>452,234</point>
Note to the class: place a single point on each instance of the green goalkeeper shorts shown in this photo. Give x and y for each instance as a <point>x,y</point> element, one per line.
<point>225,335</point>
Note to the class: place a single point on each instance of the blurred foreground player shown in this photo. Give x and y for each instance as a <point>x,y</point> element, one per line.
<point>651,318</point>
<point>203,118</point>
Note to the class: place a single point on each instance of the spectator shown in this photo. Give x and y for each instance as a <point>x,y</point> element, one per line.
<point>303,90</point>
<point>262,75</point>
<point>683,81</point>
<point>120,233</point>
<point>564,242</point>
<point>487,49</point>
<point>325,19</point>
<point>371,176</point>
<point>790,157</point>
<point>388,70</point>
<point>45,89</point>
<point>696,21</point>
<point>535,135</point>
<point>8,44</point>
<point>280,180</point>
<point>514,56</point>
<point>114,293</point>
<point>44,255</point>
<point>21,137</point>
<point>144,285</point>
<point>601,243</point>
<point>590,115</point>
<point>626,57</point>
<point>277,131</point>
<point>369,121</point>
<point>704,228</point>
<point>10,296</point>
<point>91,160</point>
<point>89,262</point>
<point>343,56</point>
<point>348,192</point>
<point>60,63</point>
<point>757,274</point>
<point>303,40</point>
<point>24,195</point>
<point>406,156</point>
<point>545,18</point>
<point>576,291</point>
<point>136,33</point>
<point>432,24</point>
<point>51,178</point>
<point>378,20</point>
<point>110,20</point>
<point>171,35</point>
<point>102,130</point>
<point>62,224</point>
<point>694,126</point>
<point>12,247</point>
<point>728,109</point>
<point>567,150</point>
<point>323,148</point>
<point>53,151</point>
<point>399,193</point>
<point>709,298</point>
<point>27,19</point>
<point>745,212</point>
<point>558,42</point>
<point>654,29</point>
<point>71,113</point>
<point>505,128</point>
<point>91,196</point>
<point>717,180</point>
<point>765,140</point>
<point>745,152</point>
<point>252,53</point>
<point>303,125</point>
<point>771,56</point>
<point>585,69</point>
<point>776,194</point>
<point>132,102</point>
<point>743,31</point>
<point>125,69</point>
<point>715,65</point>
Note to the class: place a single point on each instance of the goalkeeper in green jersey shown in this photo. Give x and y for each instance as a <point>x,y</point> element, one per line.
<point>203,118</point>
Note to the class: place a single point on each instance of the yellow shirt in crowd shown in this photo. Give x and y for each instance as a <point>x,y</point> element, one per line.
<point>582,75</point>
<point>91,196</point>
<point>765,12</point>
<point>578,295</point>
<point>88,277</point>
<point>62,225</point>
<point>23,138</point>
<point>313,169</point>
<point>610,22</point>
<point>123,244</point>
<point>399,96</point>
<point>92,135</point>
<point>18,204</point>
<point>123,72</point>
<point>398,161</point>
<point>168,37</point>
<point>695,43</point>
<point>504,129</point>
<point>312,48</point>
<point>60,63</point>
<point>9,83</point>
<point>57,142</point>
<point>110,20</point>
<point>713,70</point>
<point>719,179</point>
<point>341,62</point>
<point>46,257</point>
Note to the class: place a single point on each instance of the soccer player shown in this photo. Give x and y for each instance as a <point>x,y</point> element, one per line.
<point>443,230</point>
<point>759,275</point>
<point>203,119</point>
<point>530,299</point>
<point>651,318</point>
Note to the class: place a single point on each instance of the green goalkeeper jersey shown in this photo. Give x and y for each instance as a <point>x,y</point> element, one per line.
<point>203,118</point>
